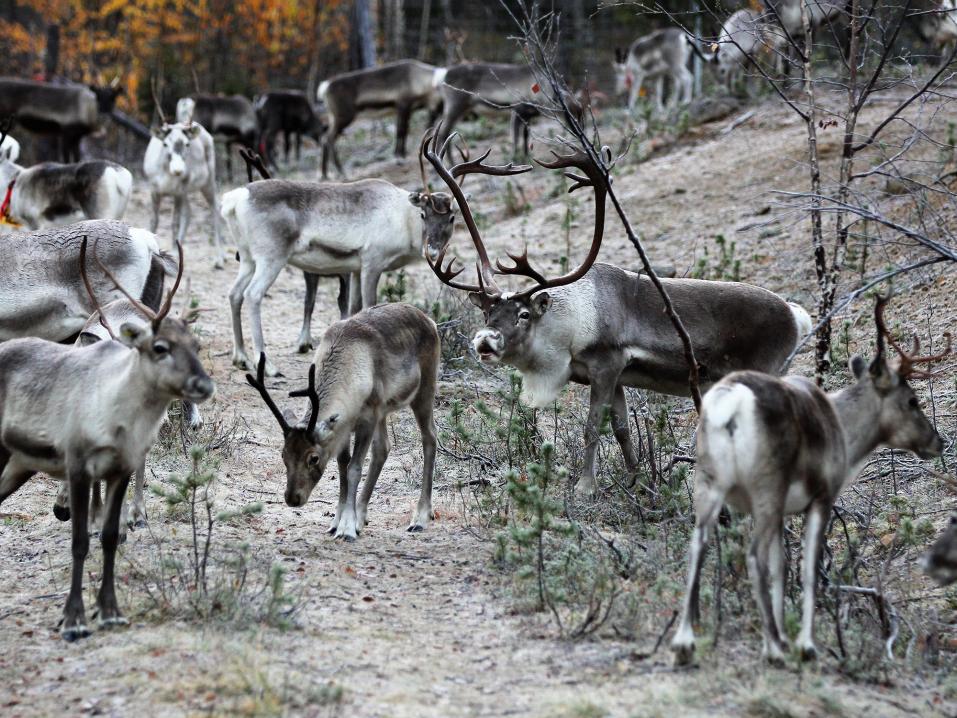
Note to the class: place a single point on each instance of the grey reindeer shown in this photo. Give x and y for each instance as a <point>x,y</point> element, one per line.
<point>91,414</point>
<point>773,447</point>
<point>376,362</point>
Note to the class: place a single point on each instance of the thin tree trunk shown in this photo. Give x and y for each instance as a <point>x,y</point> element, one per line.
<point>51,58</point>
<point>362,45</point>
<point>424,30</point>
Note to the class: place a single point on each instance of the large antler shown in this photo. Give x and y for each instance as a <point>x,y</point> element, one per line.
<point>592,177</point>
<point>430,150</point>
<point>89,289</point>
<point>310,391</point>
<point>259,383</point>
<point>908,361</point>
<point>154,317</point>
<point>156,101</point>
<point>254,162</point>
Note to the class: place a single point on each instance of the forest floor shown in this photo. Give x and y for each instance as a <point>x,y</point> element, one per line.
<point>412,625</point>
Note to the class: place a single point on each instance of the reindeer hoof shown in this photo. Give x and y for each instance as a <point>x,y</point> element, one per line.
<point>415,528</point>
<point>61,512</point>
<point>113,622</point>
<point>808,653</point>
<point>684,654</point>
<point>139,524</point>
<point>305,348</point>
<point>74,633</point>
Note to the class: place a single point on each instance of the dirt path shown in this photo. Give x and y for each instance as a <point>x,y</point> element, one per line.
<point>406,625</point>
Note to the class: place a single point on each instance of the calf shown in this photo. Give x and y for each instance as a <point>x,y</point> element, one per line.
<point>772,447</point>
<point>403,86</point>
<point>662,54</point>
<point>361,228</point>
<point>180,158</point>
<point>288,112</point>
<point>91,414</point>
<point>231,117</point>
<point>381,360</point>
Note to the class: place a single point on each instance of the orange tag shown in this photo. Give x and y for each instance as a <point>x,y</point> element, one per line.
<point>536,88</point>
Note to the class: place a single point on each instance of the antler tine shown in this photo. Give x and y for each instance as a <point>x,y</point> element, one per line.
<point>464,153</point>
<point>164,310</point>
<point>422,148</point>
<point>259,383</point>
<point>313,395</point>
<point>254,161</point>
<point>908,362</point>
<point>594,178</point>
<point>156,101</point>
<point>89,289</point>
<point>140,307</point>
<point>522,267</point>
<point>446,274</point>
<point>429,148</point>
<point>478,166</point>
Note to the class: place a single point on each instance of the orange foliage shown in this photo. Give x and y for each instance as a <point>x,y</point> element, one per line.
<point>230,46</point>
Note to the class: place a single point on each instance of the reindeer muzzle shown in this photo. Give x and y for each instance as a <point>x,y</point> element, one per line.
<point>488,345</point>
<point>199,389</point>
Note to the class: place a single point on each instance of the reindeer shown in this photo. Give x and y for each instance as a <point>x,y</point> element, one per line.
<point>41,291</point>
<point>784,24</point>
<point>604,326</point>
<point>361,228</point>
<point>115,314</point>
<point>490,87</point>
<point>68,112</point>
<point>773,447</point>
<point>50,194</point>
<point>117,393</point>
<point>654,57</point>
<point>179,159</point>
<point>940,563</point>
<point>231,117</point>
<point>936,23</point>
<point>9,147</point>
<point>404,86</point>
<point>742,37</point>
<point>289,112</point>
<point>381,360</point>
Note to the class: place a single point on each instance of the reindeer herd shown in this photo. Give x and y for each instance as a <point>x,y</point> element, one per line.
<point>91,357</point>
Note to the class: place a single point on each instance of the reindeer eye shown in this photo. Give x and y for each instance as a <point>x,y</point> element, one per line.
<point>524,314</point>
<point>451,218</point>
<point>160,348</point>
<point>913,403</point>
<point>422,214</point>
<point>313,460</point>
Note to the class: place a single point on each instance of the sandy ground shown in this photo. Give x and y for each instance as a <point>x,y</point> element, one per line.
<point>413,624</point>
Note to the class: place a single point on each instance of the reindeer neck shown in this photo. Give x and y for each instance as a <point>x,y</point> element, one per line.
<point>857,408</point>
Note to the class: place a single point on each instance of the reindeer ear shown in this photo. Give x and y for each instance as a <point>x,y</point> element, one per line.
<point>134,334</point>
<point>857,366</point>
<point>417,199</point>
<point>478,299</point>
<point>541,302</point>
<point>192,130</point>
<point>160,132</point>
<point>290,416</point>
<point>88,338</point>
<point>325,428</point>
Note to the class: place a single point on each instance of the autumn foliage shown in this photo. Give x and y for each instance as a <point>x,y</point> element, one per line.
<point>220,45</point>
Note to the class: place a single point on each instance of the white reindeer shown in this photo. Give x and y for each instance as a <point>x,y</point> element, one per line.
<point>772,447</point>
<point>181,158</point>
<point>662,54</point>
<point>361,228</point>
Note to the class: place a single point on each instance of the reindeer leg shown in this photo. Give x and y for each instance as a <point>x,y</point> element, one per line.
<point>708,500</point>
<point>813,541</point>
<point>343,298</point>
<point>602,393</point>
<point>178,232</point>
<point>156,200</point>
<point>61,506</point>
<point>74,615</point>
<point>263,277</point>
<point>96,508</point>
<point>106,601</point>
<point>370,287</point>
<point>355,293</point>
<point>619,425</point>
<point>236,295</point>
<point>194,420</point>
<point>210,195</point>
<point>185,219</point>
<point>11,480</point>
<point>348,528</point>
<point>380,452</point>
<point>343,460</point>
<point>403,115</point>
<point>305,334</point>
<point>422,409</point>
<point>767,522</point>
<point>138,519</point>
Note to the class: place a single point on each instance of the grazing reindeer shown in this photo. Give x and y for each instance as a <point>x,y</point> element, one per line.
<point>67,112</point>
<point>231,117</point>
<point>289,112</point>
<point>742,37</point>
<point>181,158</point>
<point>117,393</point>
<point>361,228</point>
<point>773,447</point>
<point>380,360</point>
<point>116,314</point>
<point>785,25</point>
<point>50,194</point>
<point>404,86</point>
<point>41,292</point>
<point>490,87</point>
<point>606,327</point>
<point>936,23</point>
<point>653,58</point>
<point>940,563</point>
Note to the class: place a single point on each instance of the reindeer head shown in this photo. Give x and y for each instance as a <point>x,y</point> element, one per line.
<point>176,140</point>
<point>438,215</point>
<point>940,562</point>
<point>901,422</point>
<point>168,349</point>
<point>106,95</point>
<point>512,320</point>
<point>623,76</point>
<point>309,444</point>
<point>9,168</point>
